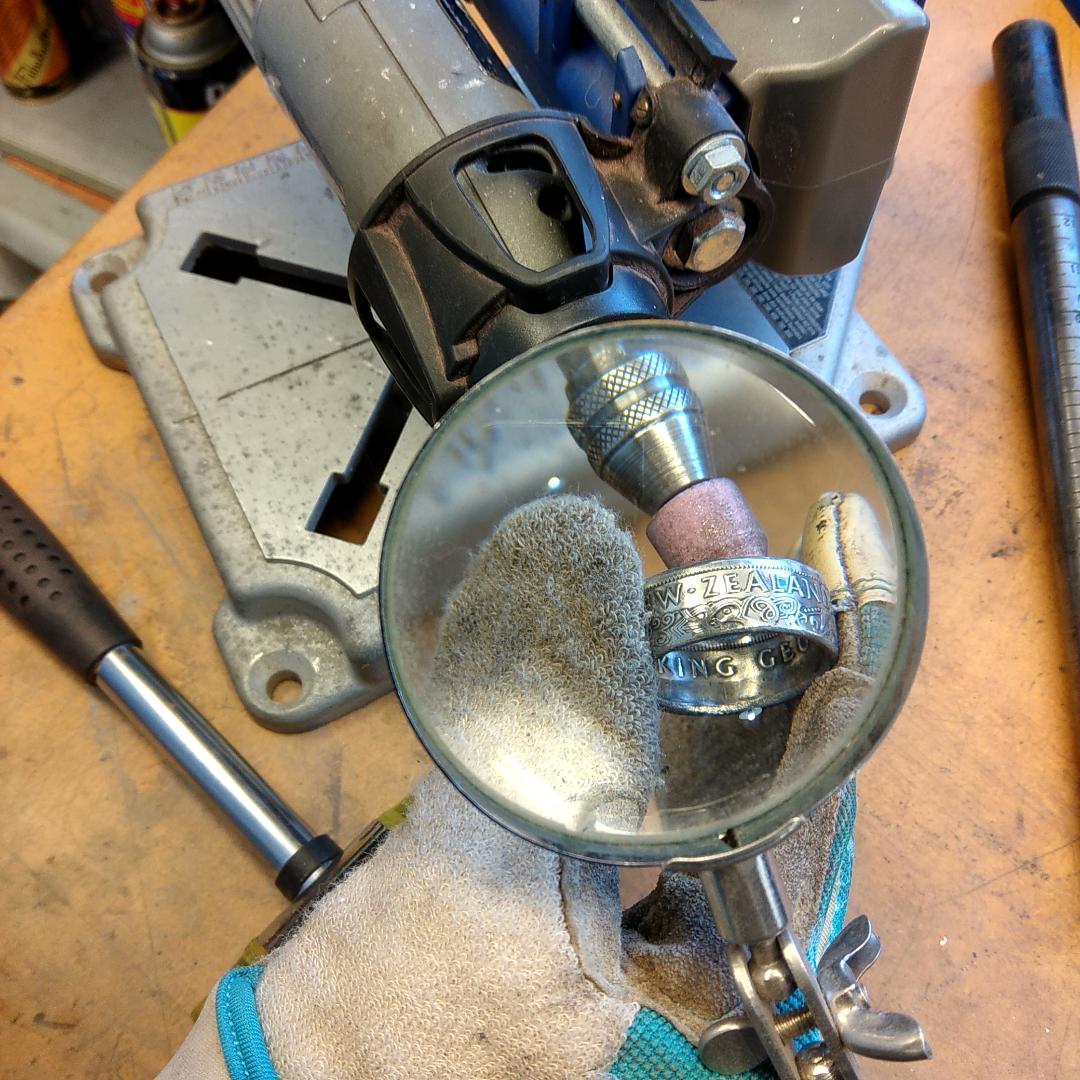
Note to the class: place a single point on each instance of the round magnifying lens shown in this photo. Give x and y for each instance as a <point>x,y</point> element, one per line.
<point>786,439</point>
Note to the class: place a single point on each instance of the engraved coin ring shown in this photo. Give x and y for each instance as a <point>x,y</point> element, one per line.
<point>703,443</point>
<point>702,618</point>
<point>740,675</point>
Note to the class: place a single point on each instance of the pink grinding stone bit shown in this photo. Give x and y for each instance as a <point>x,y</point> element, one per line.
<point>709,520</point>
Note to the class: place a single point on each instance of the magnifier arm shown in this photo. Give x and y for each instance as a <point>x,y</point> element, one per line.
<point>748,899</point>
<point>750,906</point>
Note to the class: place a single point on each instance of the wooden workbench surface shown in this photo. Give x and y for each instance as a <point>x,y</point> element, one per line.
<point>124,898</point>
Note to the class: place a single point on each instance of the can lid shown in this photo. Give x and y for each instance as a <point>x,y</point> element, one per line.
<point>184,34</point>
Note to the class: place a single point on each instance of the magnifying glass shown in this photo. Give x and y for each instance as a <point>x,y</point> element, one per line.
<point>704,444</point>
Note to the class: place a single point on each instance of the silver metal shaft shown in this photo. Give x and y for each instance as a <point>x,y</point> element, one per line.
<point>614,31</point>
<point>1047,242</point>
<point>747,898</point>
<point>140,692</point>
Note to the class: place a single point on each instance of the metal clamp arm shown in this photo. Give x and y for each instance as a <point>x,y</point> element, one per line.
<point>768,965</point>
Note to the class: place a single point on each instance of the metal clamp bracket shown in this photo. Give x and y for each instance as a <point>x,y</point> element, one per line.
<point>768,966</point>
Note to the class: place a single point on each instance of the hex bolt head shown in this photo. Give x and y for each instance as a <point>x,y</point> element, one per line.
<point>716,168</point>
<point>711,240</point>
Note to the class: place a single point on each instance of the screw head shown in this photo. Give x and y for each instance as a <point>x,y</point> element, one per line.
<point>730,1046</point>
<point>814,1063</point>
<point>642,109</point>
<point>772,981</point>
<point>716,168</point>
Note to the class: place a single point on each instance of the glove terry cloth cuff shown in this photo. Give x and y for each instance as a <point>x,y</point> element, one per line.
<point>653,1047</point>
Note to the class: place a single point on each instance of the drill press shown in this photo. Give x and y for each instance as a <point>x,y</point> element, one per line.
<point>514,172</point>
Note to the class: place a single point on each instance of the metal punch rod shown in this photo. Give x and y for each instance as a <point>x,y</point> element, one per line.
<point>272,827</point>
<point>614,31</point>
<point>47,590</point>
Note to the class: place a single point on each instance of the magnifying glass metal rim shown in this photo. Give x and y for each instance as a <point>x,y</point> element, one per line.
<point>708,842</point>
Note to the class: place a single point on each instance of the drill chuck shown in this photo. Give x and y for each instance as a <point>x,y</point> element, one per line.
<point>639,422</point>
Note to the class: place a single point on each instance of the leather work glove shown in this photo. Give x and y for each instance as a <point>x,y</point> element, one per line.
<point>462,951</point>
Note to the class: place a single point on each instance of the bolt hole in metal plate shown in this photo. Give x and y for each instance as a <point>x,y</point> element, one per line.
<point>101,279</point>
<point>87,288</point>
<point>286,432</point>
<point>283,687</point>
<point>880,394</point>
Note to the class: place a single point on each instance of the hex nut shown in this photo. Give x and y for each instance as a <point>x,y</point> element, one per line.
<point>716,169</point>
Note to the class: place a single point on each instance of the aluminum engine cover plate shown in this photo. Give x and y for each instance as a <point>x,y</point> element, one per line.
<point>285,428</point>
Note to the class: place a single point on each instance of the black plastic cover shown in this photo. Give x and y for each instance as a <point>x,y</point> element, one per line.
<point>499,238</point>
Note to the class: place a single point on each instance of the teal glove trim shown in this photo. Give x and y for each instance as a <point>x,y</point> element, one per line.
<point>836,889</point>
<point>654,1050</point>
<point>239,1030</point>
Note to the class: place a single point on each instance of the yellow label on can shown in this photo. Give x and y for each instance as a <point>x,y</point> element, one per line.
<point>174,123</point>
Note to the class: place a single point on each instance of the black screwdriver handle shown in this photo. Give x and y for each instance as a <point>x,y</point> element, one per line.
<point>41,584</point>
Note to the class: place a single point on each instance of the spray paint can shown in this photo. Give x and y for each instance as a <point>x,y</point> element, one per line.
<point>190,55</point>
<point>34,61</point>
